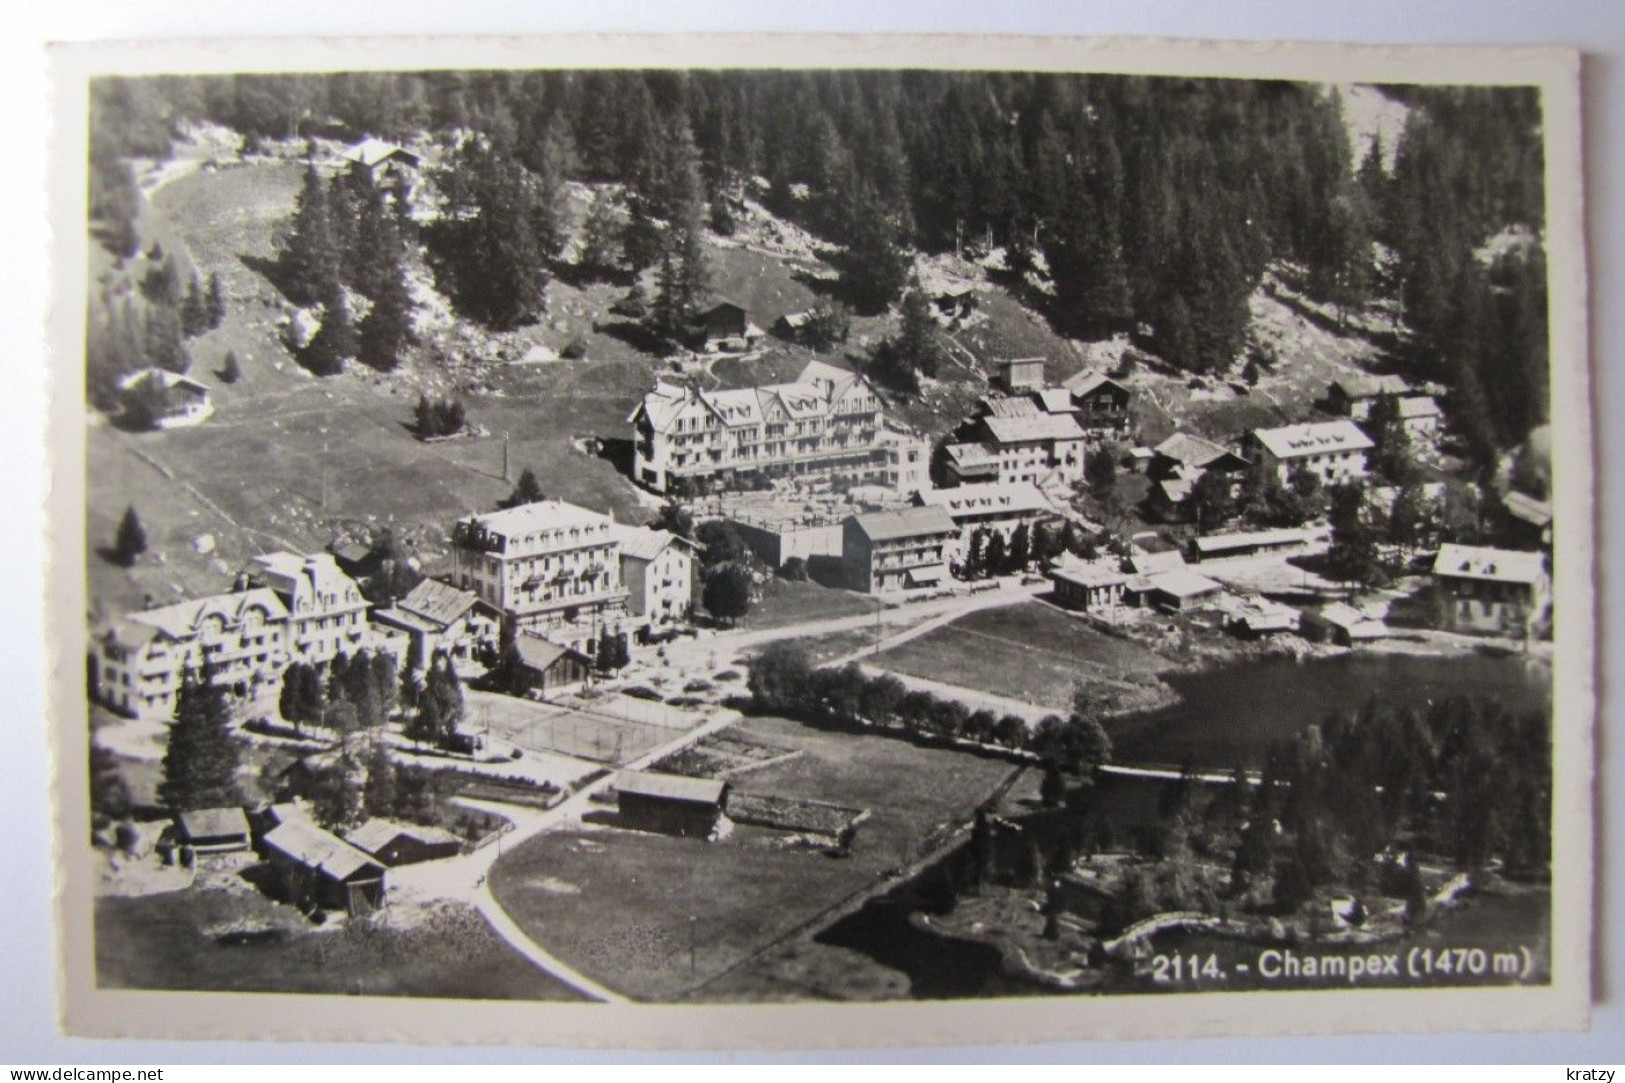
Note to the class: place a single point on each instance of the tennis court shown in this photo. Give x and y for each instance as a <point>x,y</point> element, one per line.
<point>607,734</point>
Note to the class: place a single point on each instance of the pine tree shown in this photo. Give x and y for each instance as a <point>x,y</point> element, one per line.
<point>216,303</point>
<point>200,762</point>
<point>1020,547</point>
<point>164,344</point>
<point>131,539</point>
<point>527,490</point>
<point>600,250</point>
<point>337,341</point>
<point>386,332</point>
<point>681,274</point>
<point>918,346</point>
<point>875,267</point>
<point>232,370</point>
<point>194,311</point>
<point>309,260</point>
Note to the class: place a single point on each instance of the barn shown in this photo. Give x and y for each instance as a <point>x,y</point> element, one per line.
<point>211,831</point>
<point>392,843</point>
<point>547,667</point>
<point>318,869</point>
<point>670,804</point>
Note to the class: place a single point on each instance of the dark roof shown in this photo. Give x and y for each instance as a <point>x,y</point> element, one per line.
<point>437,602</point>
<point>213,823</point>
<point>539,654</point>
<point>307,844</point>
<point>706,791</point>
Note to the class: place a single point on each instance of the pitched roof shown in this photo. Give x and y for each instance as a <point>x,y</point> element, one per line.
<point>1154,563</point>
<point>541,515</point>
<point>437,602</point>
<point>706,791</point>
<point>1218,543</point>
<point>986,497</point>
<point>1527,509</point>
<point>539,653</point>
<point>972,455</point>
<point>378,833</point>
<point>1015,430</point>
<point>644,543</point>
<point>1415,406</point>
<point>1055,400</point>
<point>1485,563</point>
<point>369,152</point>
<point>1184,582</point>
<point>1357,624</point>
<point>1189,450</point>
<point>1073,570</point>
<point>1087,383</point>
<point>1009,406</point>
<point>904,523</point>
<point>208,823</point>
<point>1313,438</point>
<point>1367,386</point>
<point>314,848</point>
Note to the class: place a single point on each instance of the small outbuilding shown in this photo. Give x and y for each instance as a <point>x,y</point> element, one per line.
<point>316,868</point>
<point>212,831</point>
<point>548,667</point>
<point>671,804</point>
<point>393,843</point>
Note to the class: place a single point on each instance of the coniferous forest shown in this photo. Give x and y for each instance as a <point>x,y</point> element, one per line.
<point>1145,205</point>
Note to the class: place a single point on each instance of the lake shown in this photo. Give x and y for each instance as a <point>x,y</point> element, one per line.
<point>1230,716</point>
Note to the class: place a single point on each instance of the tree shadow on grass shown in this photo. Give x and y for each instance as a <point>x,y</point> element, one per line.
<point>636,336</point>
<point>269,269</point>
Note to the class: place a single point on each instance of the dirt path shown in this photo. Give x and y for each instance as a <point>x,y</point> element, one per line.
<point>466,879</point>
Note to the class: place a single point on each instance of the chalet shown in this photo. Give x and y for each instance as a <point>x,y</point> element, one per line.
<point>1529,521</point>
<point>210,831</point>
<point>1259,617</point>
<point>1033,446</point>
<point>159,399</point>
<point>1183,455</point>
<point>1342,624</point>
<point>969,462</point>
<point>548,668</point>
<point>1353,396</point>
<point>437,616</point>
<point>907,549</point>
<point>671,804</point>
<point>726,326</point>
<point>1420,416</point>
<point>792,325</point>
<point>1101,403</point>
<point>1153,561</point>
<point>1087,587</point>
<point>1019,375</point>
<point>391,843</point>
<point>1491,590</point>
<point>383,163</point>
<point>357,560</point>
<point>657,568</point>
<point>315,868</point>
<point>1334,451</point>
<point>1249,543</point>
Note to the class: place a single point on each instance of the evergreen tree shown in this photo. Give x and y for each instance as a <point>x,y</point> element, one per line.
<point>875,267</point>
<point>918,347</point>
<point>378,792</point>
<point>1020,547</point>
<point>527,490</point>
<point>164,344</point>
<point>131,539</point>
<point>309,260</point>
<point>681,273</point>
<point>600,249</point>
<point>726,594</point>
<point>216,303</point>
<point>386,330</point>
<point>194,310</point>
<point>232,370</point>
<point>337,341</point>
<point>200,762</point>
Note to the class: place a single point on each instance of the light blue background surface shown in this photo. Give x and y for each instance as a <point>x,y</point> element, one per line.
<point>27,990</point>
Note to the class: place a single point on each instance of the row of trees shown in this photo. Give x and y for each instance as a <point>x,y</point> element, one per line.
<point>359,693</point>
<point>148,329</point>
<point>783,680</point>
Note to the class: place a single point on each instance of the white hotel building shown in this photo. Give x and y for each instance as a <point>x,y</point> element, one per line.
<point>1333,450</point>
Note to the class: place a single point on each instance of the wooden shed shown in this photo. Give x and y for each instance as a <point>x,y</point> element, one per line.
<point>395,843</point>
<point>670,804</point>
<point>316,868</point>
<point>212,831</point>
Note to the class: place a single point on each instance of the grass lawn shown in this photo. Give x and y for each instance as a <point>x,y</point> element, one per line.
<point>177,940</point>
<point>1027,652</point>
<point>627,907</point>
<point>784,602</point>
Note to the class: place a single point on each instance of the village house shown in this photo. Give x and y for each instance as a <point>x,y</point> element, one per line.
<point>1181,589</point>
<point>657,568</point>
<point>887,551</point>
<point>1353,396</point>
<point>159,399</point>
<point>992,506</point>
<point>1087,587</point>
<point>1342,624</point>
<point>671,804</point>
<point>1257,617</point>
<point>726,327</point>
<point>827,424</point>
<point>551,568</point>
<point>547,668</point>
<point>1420,416</point>
<point>317,869</point>
<point>1019,375</point>
<point>1022,444</point>
<point>1491,590</point>
<point>384,164</point>
<point>1176,465</point>
<point>327,614</point>
<point>1334,451</point>
<point>905,460</point>
<point>1100,402</point>
<point>439,617</point>
<point>140,658</point>
<point>391,843</point>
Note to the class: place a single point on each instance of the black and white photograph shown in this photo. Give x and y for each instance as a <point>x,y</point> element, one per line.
<point>1041,532</point>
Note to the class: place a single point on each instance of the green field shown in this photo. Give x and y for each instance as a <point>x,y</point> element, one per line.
<point>179,940</point>
<point>1028,652</point>
<point>783,602</point>
<point>686,912</point>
